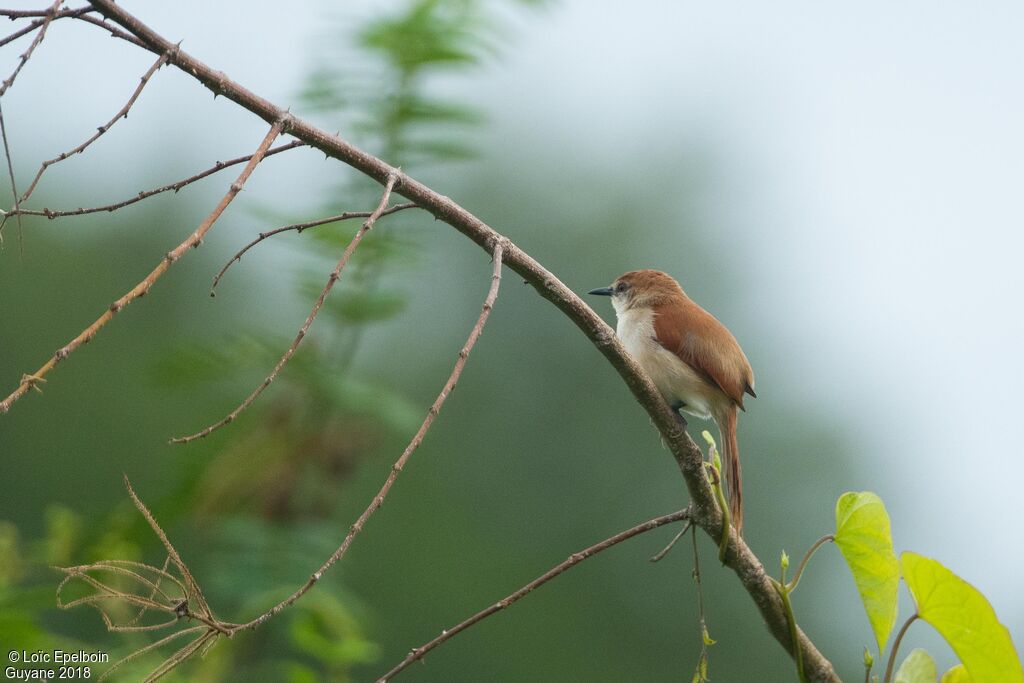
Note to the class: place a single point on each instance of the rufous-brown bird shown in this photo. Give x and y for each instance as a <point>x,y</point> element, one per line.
<point>696,363</point>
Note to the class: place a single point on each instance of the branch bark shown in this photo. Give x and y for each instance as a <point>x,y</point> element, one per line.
<point>704,509</point>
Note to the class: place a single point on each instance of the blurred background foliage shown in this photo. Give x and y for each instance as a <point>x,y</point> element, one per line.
<point>539,453</point>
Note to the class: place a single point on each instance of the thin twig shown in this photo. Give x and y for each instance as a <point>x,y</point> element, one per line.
<point>79,13</point>
<point>43,14</point>
<point>396,468</point>
<point>660,555</point>
<point>14,14</point>
<point>194,593</point>
<point>299,227</point>
<point>143,287</point>
<point>334,277</point>
<point>574,559</point>
<point>148,648</point>
<point>146,194</point>
<point>10,173</point>
<point>791,586</point>
<point>24,57</point>
<point>122,113</point>
<point>896,646</point>
<point>180,656</point>
<point>705,637</point>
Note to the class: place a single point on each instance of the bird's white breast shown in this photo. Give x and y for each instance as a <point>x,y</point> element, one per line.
<point>676,380</point>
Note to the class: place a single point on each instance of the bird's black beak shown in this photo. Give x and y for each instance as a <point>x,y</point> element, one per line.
<point>601,291</point>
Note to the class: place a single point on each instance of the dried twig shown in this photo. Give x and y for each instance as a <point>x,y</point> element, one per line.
<point>122,113</point>
<point>143,287</point>
<point>153,646</point>
<point>299,227</point>
<point>193,592</point>
<point>24,57</point>
<point>184,601</point>
<point>146,194</point>
<point>574,559</point>
<point>396,468</point>
<point>333,278</point>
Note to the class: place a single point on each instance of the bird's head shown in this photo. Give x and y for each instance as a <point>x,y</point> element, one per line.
<point>640,289</point>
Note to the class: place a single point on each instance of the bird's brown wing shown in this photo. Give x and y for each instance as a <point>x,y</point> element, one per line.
<point>703,343</point>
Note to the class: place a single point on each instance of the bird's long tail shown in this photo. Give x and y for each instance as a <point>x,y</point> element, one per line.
<point>731,459</point>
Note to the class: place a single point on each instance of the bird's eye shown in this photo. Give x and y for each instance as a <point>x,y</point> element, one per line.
<point>620,288</point>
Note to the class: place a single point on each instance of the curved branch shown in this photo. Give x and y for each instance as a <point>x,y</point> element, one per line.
<point>418,653</point>
<point>435,408</point>
<point>334,277</point>
<point>299,228</point>
<point>143,287</point>
<point>705,511</point>
<point>146,194</point>
<point>100,130</point>
<point>27,54</point>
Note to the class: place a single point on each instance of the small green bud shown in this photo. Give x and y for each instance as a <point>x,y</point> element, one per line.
<point>869,661</point>
<point>785,561</point>
<point>707,437</point>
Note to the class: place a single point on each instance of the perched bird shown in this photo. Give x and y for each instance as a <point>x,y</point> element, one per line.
<point>692,358</point>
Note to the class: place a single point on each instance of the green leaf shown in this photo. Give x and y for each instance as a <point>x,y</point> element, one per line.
<point>918,667</point>
<point>365,307</point>
<point>962,615</point>
<point>864,537</point>
<point>327,631</point>
<point>700,675</point>
<point>958,674</point>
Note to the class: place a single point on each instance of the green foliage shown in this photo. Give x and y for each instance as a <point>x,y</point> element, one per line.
<point>918,667</point>
<point>63,534</point>
<point>12,564</point>
<point>326,630</point>
<point>865,539</point>
<point>962,615</point>
<point>427,33</point>
<point>958,674</point>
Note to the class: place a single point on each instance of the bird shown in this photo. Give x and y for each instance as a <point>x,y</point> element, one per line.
<point>694,361</point>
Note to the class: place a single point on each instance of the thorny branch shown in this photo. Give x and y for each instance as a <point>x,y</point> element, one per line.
<point>704,510</point>
<point>299,228</point>
<point>194,605</point>
<point>143,287</point>
<point>146,194</point>
<point>435,408</point>
<point>418,653</point>
<point>331,280</point>
<point>24,57</point>
<point>80,13</point>
<point>122,113</point>
<point>45,16</point>
<point>10,174</point>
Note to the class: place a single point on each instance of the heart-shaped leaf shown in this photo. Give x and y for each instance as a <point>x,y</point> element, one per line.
<point>865,539</point>
<point>962,615</point>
